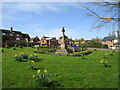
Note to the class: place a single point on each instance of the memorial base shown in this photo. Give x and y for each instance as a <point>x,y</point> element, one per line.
<point>62,52</point>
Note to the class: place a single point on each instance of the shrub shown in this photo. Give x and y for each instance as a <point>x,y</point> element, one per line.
<point>95,49</point>
<point>17,43</point>
<point>14,48</point>
<point>104,46</point>
<point>2,50</point>
<point>20,47</point>
<point>32,47</point>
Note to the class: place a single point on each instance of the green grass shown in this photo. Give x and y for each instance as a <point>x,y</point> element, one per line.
<point>74,72</point>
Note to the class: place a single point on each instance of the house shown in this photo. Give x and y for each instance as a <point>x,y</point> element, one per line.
<point>77,42</point>
<point>113,42</point>
<point>49,41</point>
<point>11,36</point>
<point>68,42</point>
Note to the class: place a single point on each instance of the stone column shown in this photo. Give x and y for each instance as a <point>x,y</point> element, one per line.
<point>63,39</point>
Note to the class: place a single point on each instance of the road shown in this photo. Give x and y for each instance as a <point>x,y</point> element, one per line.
<point>103,49</point>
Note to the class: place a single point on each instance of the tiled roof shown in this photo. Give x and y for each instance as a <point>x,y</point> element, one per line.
<point>109,38</point>
<point>26,35</point>
<point>4,30</point>
<point>65,37</point>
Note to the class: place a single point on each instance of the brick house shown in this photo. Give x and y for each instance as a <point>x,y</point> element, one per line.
<point>113,42</point>
<point>49,41</point>
<point>77,42</point>
<point>68,42</point>
<point>13,36</point>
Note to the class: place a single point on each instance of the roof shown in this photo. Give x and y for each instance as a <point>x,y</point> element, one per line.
<point>76,40</point>
<point>117,43</point>
<point>26,35</point>
<point>65,37</point>
<point>109,38</point>
<point>18,32</point>
<point>4,30</point>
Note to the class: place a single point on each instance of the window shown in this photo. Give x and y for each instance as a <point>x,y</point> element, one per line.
<point>110,45</point>
<point>110,41</point>
<point>17,38</point>
<point>3,33</point>
<point>17,35</point>
<point>11,34</point>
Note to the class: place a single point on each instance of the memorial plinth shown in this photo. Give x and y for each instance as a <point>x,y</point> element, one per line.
<point>63,50</point>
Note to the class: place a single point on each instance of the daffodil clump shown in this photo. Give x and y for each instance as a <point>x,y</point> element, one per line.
<point>42,77</point>
<point>81,53</point>
<point>21,57</point>
<point>104,62</point>
<point>24,57</point>
<point>46,50</point>
<point>31,64</point>
<point>111,53</point>
<point>34,57</point>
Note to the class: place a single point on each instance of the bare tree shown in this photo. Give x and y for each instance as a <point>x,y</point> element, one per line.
<point>105,13</point>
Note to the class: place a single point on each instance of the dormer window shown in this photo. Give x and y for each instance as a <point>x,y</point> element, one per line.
<point>17,35</point>
<point>11,34</point>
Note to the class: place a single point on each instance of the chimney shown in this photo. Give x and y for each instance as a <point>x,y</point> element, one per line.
<point>11,28</point>
<point>117,33</point>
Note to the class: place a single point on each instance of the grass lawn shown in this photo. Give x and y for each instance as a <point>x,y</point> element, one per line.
<point>73,72</point>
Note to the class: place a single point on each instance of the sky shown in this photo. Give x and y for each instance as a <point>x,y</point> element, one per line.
<point>47,18</point>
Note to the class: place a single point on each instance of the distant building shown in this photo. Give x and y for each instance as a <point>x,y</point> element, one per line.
<point>113,41</point>
<point>15,36</point>
<point>49,41</point>
<point>77,42</point>
<point>68,42</point>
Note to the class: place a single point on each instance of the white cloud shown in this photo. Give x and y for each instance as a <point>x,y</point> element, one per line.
<point>35,7</point>
<point>10,17</point>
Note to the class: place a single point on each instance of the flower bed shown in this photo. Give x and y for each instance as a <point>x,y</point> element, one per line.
<point>81,53</point>
<point>22,57</point>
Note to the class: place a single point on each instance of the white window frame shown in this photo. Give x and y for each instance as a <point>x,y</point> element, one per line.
<point>11,34</point>
<point>17,38</point>
<point>3,33</point>
<point>17,34</point>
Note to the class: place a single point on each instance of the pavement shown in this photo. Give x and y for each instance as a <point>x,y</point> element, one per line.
<point>102,49</point>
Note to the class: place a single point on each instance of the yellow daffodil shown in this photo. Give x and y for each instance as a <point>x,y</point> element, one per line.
<point>70,53</point>
<point>21,53</point>
<point>15,55</point>
<point>45,71</point>
<point>105,53</point>
<point>32,61</point>
<point>35,53</point>
<point>23,59</point>
<point>38,71</point>
<point>101,62</point>
<point>33,76</point>
<point>30,54</point>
